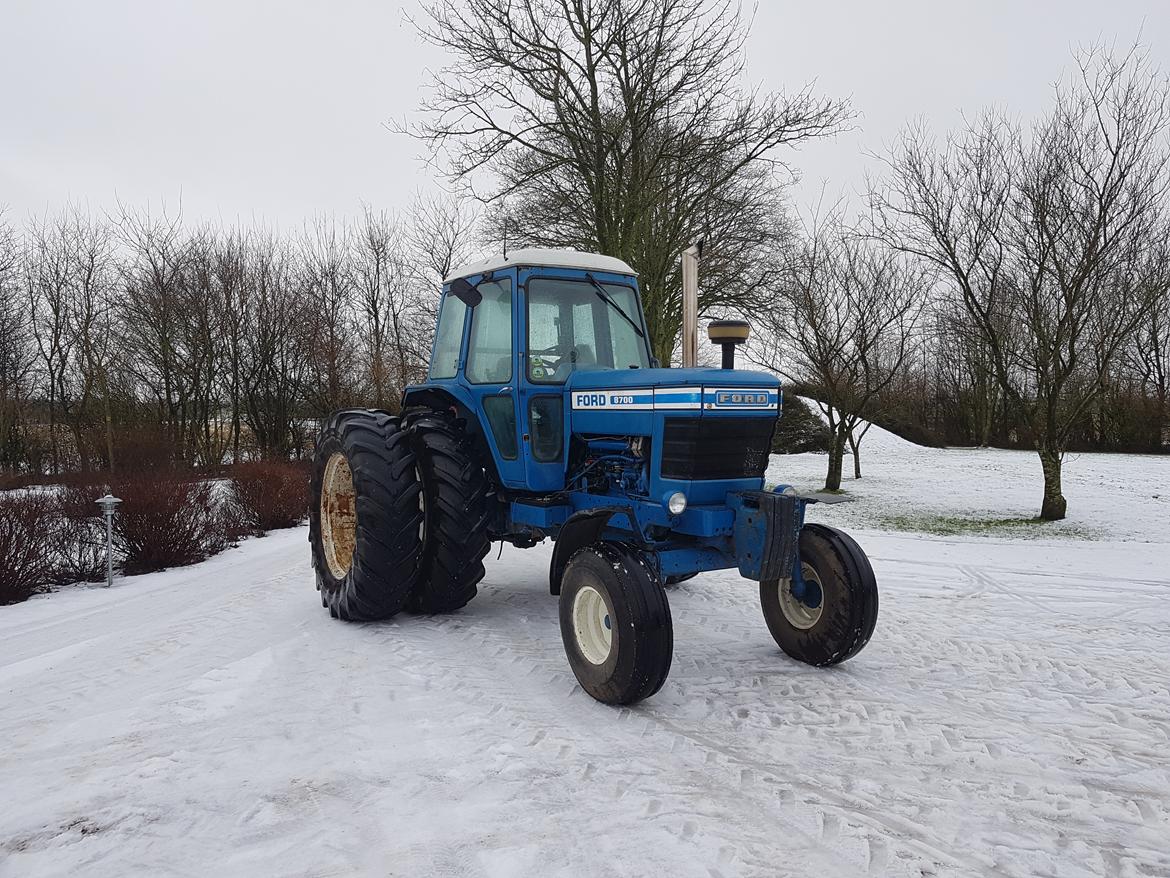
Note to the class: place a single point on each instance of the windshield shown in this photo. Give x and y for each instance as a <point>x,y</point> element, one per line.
<point>572,326</point>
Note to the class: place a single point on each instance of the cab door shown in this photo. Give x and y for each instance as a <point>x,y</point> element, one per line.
<point>549,334</point>
<point>491,372</point>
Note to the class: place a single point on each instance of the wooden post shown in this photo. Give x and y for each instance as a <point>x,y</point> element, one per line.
<point>690,321</point>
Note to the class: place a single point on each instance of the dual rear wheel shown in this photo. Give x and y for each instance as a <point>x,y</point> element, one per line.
<point>398,515</point>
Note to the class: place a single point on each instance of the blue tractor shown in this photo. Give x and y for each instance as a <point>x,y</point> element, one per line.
<point>545,416</point>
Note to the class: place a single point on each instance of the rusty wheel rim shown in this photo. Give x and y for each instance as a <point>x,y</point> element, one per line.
<point>338,515</point>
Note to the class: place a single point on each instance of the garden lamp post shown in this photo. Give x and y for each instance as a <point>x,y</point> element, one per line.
<point>108,504</point>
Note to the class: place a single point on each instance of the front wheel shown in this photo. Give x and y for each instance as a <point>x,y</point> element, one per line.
<point>835,615</point>
<point>615,624</point>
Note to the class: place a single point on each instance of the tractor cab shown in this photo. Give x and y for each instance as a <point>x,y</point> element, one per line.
<point>513,331</point>
<point>547,352</point>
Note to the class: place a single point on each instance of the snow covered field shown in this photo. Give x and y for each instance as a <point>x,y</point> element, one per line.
<point>1011,715</point>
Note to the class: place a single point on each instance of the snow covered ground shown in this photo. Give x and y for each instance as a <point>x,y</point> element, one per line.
<point>1011,715</point>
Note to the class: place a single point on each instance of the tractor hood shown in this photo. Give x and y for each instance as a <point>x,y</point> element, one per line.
<point>710,430</point>
<point>699,391</point>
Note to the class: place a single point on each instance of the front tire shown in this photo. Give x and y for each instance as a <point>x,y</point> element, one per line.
<point>615,624</point>
<point>843,621</point>
<point>365,516</point>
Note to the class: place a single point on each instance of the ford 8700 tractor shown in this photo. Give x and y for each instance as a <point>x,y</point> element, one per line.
<point>545,416</point>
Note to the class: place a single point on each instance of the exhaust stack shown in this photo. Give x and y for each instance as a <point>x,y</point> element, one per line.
<point>690,303</point>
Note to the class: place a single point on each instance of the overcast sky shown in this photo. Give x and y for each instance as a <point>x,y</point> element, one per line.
<point>274,110</point>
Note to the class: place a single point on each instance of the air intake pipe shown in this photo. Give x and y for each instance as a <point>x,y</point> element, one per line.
<point>728,333</point>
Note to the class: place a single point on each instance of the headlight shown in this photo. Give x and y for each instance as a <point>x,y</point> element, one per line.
<point>676,503</point>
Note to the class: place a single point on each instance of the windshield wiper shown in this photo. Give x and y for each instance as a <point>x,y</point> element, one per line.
<point>604,296</point>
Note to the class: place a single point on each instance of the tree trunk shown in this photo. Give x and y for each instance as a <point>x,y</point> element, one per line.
<point>855,447</point>
<point>1054,506</point>
<point>108,417</point>
<point>987,419</point>
<point>836,458</point>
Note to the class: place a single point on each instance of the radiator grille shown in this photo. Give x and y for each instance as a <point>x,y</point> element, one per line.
<point>716,448</point>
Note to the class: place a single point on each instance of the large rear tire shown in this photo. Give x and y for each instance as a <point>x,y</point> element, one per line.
<point>365,516</point>
<point>458,496</point>
<point>615,624</point>
<point>843,619</point>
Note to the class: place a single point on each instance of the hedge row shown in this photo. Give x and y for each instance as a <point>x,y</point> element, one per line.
<point>167,518</point>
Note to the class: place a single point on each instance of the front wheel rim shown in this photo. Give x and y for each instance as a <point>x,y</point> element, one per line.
<point>799,614</point>
<point>592,625</point>
<point>338,515</point>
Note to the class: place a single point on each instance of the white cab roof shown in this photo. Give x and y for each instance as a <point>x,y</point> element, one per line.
<point>544,259</point>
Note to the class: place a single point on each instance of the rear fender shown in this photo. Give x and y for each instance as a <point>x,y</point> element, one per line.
<point>455,399</point>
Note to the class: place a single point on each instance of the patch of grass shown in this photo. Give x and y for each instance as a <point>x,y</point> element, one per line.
<point>958,525</point>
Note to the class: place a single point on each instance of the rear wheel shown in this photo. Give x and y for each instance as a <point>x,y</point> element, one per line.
<point>835,615</point>
<point>615,624</point>
<point>365,516</point>
<point>457,493</point>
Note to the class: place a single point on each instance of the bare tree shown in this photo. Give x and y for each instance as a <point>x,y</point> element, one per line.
<point>388,307</point>
<point>842,325</point>
<point>234,302</point>
<point>275,348</point>
<point>201,337</point>
<point>1039,235</point>
<point>619,127</point>
<point>152,316</point>
<point>1150,356</point>
<point>16,349</point>
<point>46,277</point>
<point>966,369</point>
<point>440,236</point>
<point>92,271</point>
<point>327,274</point>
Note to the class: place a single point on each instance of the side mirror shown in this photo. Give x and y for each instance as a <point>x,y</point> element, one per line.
<point>466,292</point>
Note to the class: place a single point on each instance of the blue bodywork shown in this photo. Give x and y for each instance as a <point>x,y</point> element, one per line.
<point>612,477</point>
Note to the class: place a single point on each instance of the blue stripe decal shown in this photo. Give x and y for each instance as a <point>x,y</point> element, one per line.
<point>678,398</point>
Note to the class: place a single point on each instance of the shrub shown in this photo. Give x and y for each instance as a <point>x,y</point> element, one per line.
<point>80,533</point>
<point>800,429</point>
<point>267,495</point>
<point>26,553</point>
<point>166,519</point>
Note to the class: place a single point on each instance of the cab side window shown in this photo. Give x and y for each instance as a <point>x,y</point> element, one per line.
<point>448,337</point>
<point>489,354</point>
